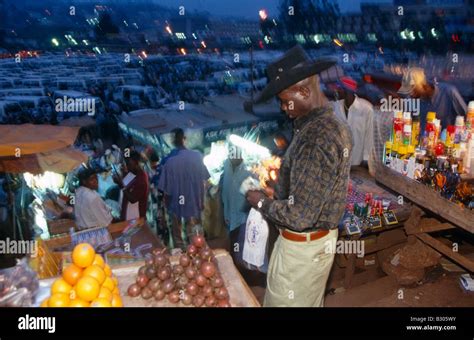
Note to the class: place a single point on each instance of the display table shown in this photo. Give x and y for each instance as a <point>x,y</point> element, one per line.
<point>240,294</point>
<point>362,181</point>
<point>428,199</point>
<point>145,235</point>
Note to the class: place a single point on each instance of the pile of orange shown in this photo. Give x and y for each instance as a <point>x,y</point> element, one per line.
<point>87,282</point>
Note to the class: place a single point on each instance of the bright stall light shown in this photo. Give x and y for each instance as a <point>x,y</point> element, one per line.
<point>47,180</point>
<point>250,147</point>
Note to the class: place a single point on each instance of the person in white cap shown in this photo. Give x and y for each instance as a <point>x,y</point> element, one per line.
<point>442,98</point>
<point>359,114</point>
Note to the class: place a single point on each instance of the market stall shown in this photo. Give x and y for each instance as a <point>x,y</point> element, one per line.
<point>34,159</point>
<point>448,215</point>
<point>145,274</point>
<point>370,227</point>
<point>240,294</point>
<point>38,148</point>
<point>434,169</point>
<point>204,124</point>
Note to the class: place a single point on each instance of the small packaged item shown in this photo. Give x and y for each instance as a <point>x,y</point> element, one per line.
<point>389,217</point>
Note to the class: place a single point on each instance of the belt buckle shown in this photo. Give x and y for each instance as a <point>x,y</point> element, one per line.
<point>308,237</point>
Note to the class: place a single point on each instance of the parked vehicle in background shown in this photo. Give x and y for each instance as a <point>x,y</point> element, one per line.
<point>36,91</point>
<point>136,97</point>
<point>10,112</point>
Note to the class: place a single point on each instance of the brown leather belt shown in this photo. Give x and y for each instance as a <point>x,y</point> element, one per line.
<point>304,237</point>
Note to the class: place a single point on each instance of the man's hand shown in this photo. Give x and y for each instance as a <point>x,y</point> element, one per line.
<point>118,181</point>
<point>254,196</point>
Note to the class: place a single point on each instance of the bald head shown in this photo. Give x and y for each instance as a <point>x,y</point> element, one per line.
<point>302,97</point>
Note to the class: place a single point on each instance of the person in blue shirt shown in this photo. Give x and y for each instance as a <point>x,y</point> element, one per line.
<point>235,206</point>
<point>183,179</point>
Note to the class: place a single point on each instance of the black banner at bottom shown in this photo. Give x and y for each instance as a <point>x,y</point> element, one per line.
<point>88,323</point>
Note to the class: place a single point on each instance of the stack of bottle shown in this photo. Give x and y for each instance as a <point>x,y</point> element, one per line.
<point>451,148</point>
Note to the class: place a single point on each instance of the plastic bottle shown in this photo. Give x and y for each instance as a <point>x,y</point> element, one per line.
<point>470,117</point>
<point>415,130</point>
<point>430,129</point>
<point>395,150</point>
<point>388,152</point>
<point>459,129</point>
<point>469,157</point>
<point>407,118</point>
<point>451,130</point>
<point>407,134</point>
<point>437,124</point>
<point>402,151</point>
<point>424,141</point>
<point>398,128</point>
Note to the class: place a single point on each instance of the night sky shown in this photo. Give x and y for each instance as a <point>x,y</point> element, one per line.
<point>250,8</point>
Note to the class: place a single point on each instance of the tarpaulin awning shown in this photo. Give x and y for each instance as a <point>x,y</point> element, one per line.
<point>27,139</point>
<point>59,161</point>
<point>38,148</point>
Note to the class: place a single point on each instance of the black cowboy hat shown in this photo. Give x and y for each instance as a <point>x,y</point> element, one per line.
<point>292,67</point>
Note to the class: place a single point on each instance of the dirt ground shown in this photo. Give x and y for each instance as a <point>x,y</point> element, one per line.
<point>375,289</point>
<point>444,291</point>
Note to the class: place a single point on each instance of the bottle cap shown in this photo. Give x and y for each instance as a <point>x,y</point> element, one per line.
<point>437,123</point>
<point>471,105</point>
<point>430,115</point>
<point>398,114</point>
<point>459,120</point>
<point>407,115</point>
<point>406,128</point>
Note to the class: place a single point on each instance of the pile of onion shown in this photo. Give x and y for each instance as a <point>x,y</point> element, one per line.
<point>194,280</point>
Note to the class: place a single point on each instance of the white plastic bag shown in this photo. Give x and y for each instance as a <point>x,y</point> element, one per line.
<point>256,237</point>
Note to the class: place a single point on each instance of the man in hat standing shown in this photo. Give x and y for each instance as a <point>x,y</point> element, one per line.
<point>312,184</point>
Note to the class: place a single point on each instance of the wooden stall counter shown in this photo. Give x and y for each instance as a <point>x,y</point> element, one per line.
<point>239,292</point>
<point>447,215</point>
<point>115,230</point>
<point>374,239</point>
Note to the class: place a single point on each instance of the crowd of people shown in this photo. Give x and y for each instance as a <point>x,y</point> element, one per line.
<point>333,129</point>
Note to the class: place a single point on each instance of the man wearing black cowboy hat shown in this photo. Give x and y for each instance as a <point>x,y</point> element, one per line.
<point>312,184</point>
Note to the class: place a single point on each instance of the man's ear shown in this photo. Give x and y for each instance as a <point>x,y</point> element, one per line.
<point>304,92</point>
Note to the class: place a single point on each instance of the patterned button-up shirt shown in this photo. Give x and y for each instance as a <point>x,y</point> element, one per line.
<point>313,179</point>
